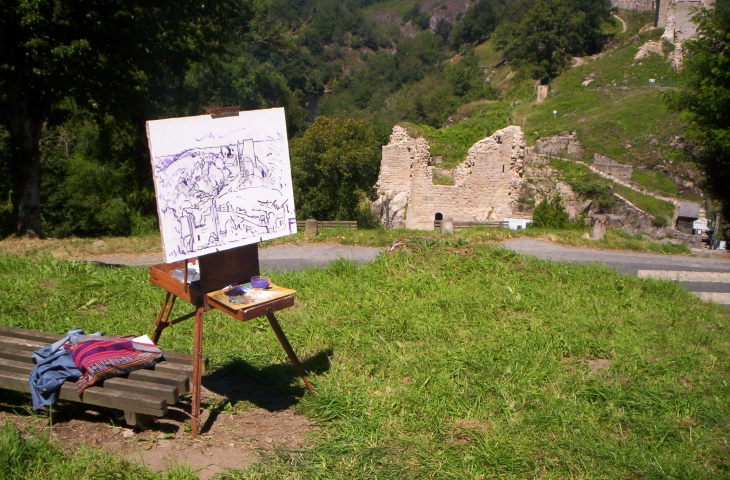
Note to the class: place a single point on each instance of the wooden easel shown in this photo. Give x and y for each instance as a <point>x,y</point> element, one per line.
<point>217,270</point>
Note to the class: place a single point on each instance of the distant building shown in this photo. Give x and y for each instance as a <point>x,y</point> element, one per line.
<point>689,212</point>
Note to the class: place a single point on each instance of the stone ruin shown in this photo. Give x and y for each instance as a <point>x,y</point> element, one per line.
<point>639,5</point>
<point>566,144</point>
<point>610,166</point>
<point>485,185</point>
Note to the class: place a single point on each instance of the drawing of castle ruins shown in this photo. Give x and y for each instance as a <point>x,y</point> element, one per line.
<point>231,190</point>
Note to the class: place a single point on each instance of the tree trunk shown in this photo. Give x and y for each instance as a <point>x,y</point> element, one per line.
<point>25,168</point>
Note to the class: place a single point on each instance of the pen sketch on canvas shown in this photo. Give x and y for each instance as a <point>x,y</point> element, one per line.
<point>221,183</point>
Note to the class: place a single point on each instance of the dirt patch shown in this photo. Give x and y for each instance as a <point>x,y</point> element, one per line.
<point>595,365</point>
<point>598,364</point>
<point>228,440</point>
<point>463,430</point>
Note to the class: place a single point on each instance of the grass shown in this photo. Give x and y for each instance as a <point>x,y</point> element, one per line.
<point>655,180</point>
<point>36,458</point>
<point>653,206</point>
<point>448,359</point>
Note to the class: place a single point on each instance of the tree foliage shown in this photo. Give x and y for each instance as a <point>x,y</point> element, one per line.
<point>334,166</point>
<point>705,100</point>
<point>108,56</point>
<point>477,25</point>
<point>550,32</point>
<point>79,79</point>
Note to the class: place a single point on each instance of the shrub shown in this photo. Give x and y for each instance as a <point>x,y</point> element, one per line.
<point>660,221</point>
<point>551,214</point>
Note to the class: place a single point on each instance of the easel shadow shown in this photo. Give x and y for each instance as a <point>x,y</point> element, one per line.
<point>273,388</point>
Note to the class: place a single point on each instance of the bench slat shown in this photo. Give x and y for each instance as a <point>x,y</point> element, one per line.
<point>169,392</point>
<point>47,338</point>
<point>181,382</point>
<point>177,376</point>
<point>22,344</point>
<point>14,354</point>
<point>26,340</point>
<point>127,401</point>
<point>174,369</point>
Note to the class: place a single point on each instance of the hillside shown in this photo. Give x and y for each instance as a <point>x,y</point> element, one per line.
<point>612,102</point>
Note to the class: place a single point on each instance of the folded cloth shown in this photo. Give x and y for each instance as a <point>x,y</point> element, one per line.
<point>100,358</point>
<point>54,366</point>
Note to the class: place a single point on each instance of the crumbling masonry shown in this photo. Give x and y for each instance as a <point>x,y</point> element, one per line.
<point>485,185</point>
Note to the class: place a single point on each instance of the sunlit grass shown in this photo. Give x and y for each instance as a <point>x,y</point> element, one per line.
<point>452,359</point>
<point>651,205</point>
<point>655,180</point>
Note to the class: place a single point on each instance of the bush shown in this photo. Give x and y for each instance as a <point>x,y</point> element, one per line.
<point>660,221</point>
<point>551,214</point>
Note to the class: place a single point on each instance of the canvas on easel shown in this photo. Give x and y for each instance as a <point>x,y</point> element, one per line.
<point>221,183</point>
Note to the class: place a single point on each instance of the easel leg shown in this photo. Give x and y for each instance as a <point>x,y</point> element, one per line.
<point>197,367</point>
<point>289,351</point>
<point>163,317</point>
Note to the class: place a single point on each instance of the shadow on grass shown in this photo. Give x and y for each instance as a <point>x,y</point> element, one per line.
<point>273,388</point>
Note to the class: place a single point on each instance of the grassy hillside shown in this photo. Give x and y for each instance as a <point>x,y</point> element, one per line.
<point>620,113</point>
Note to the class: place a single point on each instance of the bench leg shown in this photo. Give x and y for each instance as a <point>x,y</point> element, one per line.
<point>197,367</point>
<point>138,420</point>
<point>289,351</point>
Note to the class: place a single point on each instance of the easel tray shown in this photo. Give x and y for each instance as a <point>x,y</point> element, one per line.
<point>258,304</point>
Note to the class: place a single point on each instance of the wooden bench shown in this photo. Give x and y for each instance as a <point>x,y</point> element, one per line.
<point>142,394</point>
<point>329,224</point>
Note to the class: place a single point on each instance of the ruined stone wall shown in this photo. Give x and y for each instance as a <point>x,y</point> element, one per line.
<point>612,167</point>
<point>485,184</point>
<point>640,5</point>
<point>558,145</point>
<point>676,18</point>
<point>396,163</point>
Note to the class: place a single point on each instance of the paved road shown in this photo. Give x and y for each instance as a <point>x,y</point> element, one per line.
<point>708,278</point>
<point>281,257</point>
<point>300,257</point>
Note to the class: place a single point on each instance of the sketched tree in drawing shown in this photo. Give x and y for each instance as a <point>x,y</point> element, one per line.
<point>230,185</point>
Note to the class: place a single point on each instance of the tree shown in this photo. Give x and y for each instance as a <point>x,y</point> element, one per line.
<point>550,32</point>
<point>704,99</point>
<point>476,26</point>
<point>106,55</point>
<point>334,166</point>
<point>547,35</point>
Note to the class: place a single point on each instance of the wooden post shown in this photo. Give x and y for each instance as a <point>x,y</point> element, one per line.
<point>197,366</point>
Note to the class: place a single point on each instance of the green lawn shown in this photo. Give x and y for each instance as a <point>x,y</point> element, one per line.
<point>449,359</point>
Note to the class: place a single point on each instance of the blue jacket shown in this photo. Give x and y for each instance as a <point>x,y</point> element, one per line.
<point>53,366</point>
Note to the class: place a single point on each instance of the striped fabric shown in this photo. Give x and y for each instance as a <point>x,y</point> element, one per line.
<point>106,357</point>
